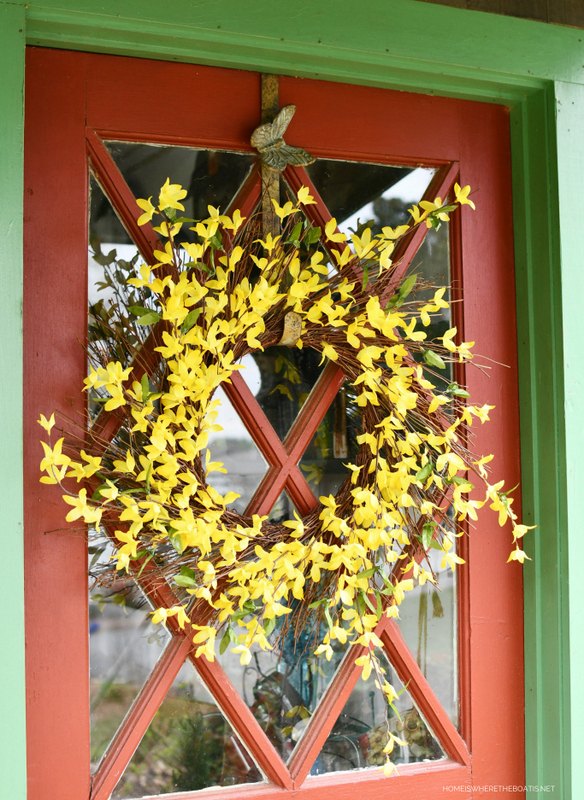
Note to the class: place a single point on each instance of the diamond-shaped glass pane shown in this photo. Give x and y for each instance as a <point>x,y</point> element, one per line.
<point>123,648</point>
<point>284,686</point>
<point>360,733</point>
<point>287,376</point>
<point>211,177</point>
<point>189,745</point>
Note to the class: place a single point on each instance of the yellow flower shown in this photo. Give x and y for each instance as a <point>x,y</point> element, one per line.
<point>305,197</point>
<point>518,555</point>
<point>81,509</point>
<point>270,242</point>
<point>462,196</point>
<point>148,210</point>
<point>235,222</point>
<point>170,194</point>
<point>284,211</point>
<point>45,423</point>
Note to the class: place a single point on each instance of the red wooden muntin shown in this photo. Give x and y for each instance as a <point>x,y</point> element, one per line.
<point>469,141</point>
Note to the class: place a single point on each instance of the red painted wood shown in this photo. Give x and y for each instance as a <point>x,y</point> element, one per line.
<point>390,128</point>
<point>267,440</point>
<point>413,782</point>
<point>56,559</point>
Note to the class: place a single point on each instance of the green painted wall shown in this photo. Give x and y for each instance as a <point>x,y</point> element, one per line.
<point>538,71</point>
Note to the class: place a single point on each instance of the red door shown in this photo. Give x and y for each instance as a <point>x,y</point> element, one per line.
<point>96,733</point>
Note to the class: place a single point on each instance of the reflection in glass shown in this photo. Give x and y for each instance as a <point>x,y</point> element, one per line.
<point>189,745</point>
<point>284,686</point>
<point>334,445</point>
<point>211,177</point>
<point>360,733</point>
<point>429,625</point>
<point>282,509</point>
<point>123,648</point>
<point>355,193</point>
<point>110,264</point>
<point>234,447</point>
<point>287,376</point>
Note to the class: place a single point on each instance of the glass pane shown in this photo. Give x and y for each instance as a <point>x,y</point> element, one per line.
<point>282,509</point>
<point>123,648</point>
<point>234,447</point>
<point>189,745</point>
<point>211,177</point>
<point>287,376</point>
<point>111,262</point>
<point>357,193</point>
<point>283,687</point>
<point>360,733</point>
<point>333,445</point>
<point>428,621</point>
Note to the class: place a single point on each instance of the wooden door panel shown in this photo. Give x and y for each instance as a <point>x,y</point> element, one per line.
<point>74,103</point>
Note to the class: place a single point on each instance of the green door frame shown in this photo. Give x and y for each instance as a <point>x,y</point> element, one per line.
<point>537,70</point>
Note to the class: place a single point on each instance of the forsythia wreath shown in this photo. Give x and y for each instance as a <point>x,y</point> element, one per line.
<point>219,291</point>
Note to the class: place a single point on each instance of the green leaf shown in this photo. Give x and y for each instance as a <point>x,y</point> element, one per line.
<point>295,233</point>
<point>139,311</point>
<point>185,581</point>
<point>269,625</point>
<point>365,280</point>
<point>145,387</point>
<point>368,573</point>
<point>406,288</point>
<point>456,390</point>
<point>312,235</point>
<point>428,534</point>
<point>459,480</point>
<point>151,318</point>
<point>432,359</point>
<point>367,600</point>
<point>328,617</point>
<point>144,563</point>
<point>190,319</point>
<point>425,472</point>
<point>226,639</point>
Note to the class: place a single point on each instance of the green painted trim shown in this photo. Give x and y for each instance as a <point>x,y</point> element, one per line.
<point>294,50</point>
<point>12,719</point>
<point>319,36</point>
<point>432,49</point>
<point>570,168</point>
<point>541,377</point>
<point>410,51</point>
